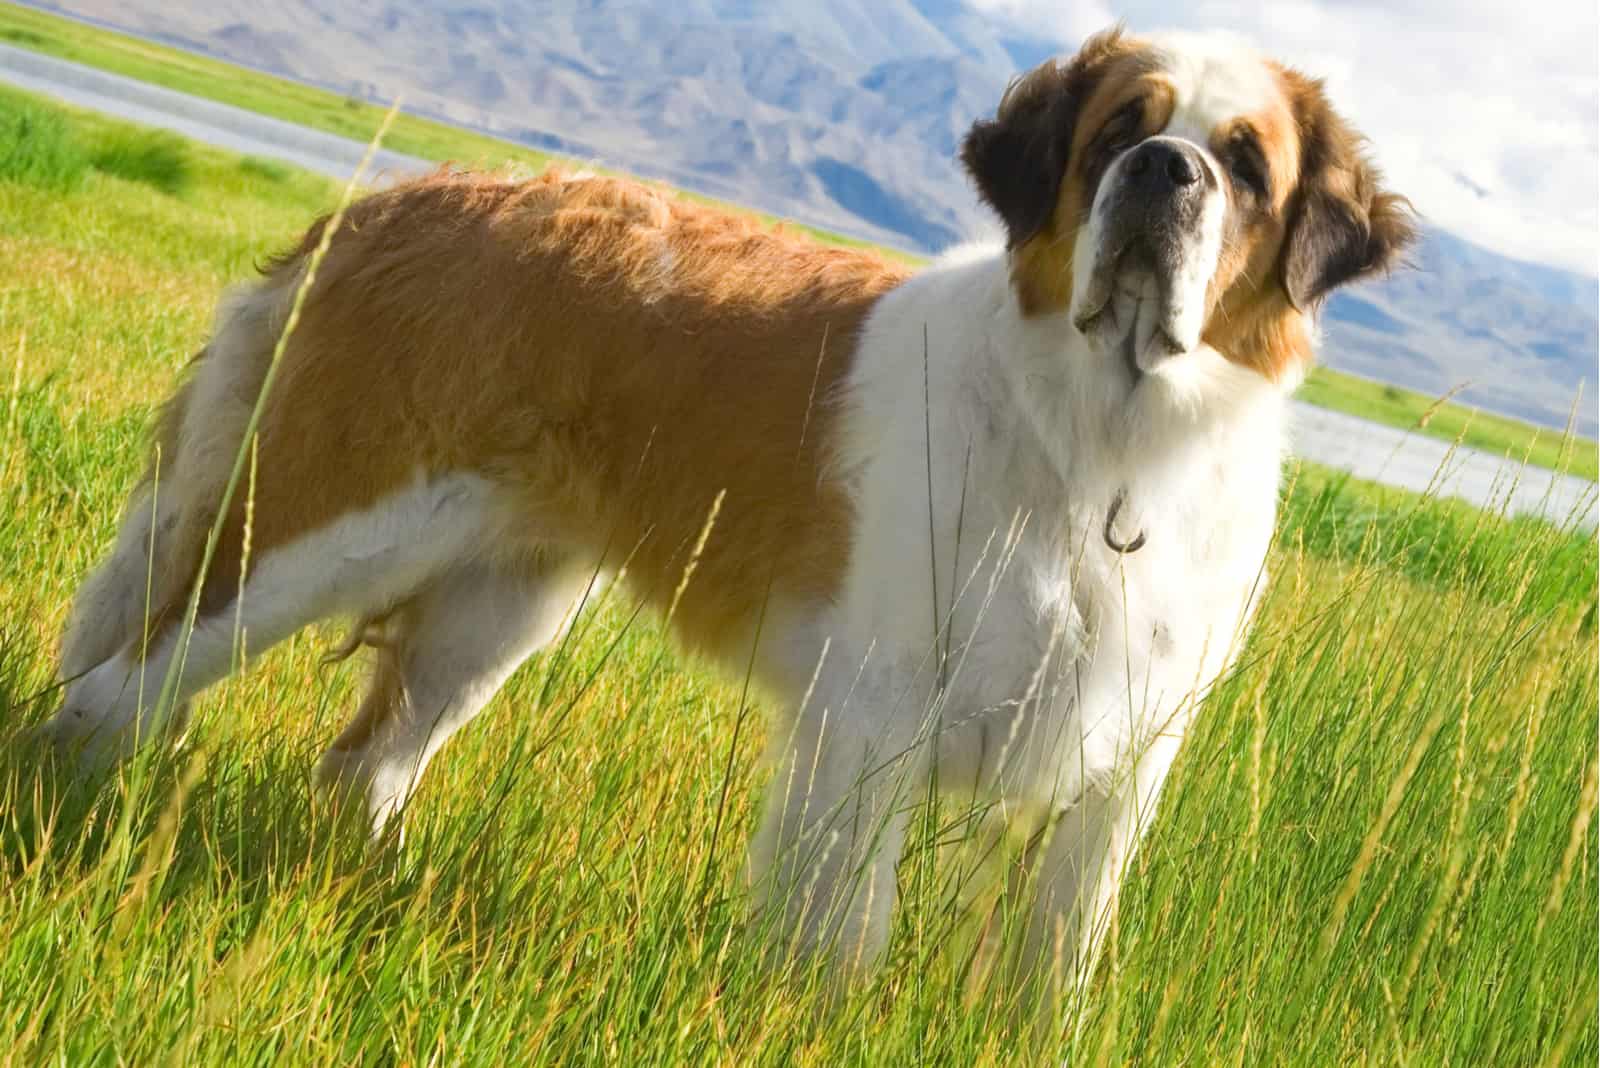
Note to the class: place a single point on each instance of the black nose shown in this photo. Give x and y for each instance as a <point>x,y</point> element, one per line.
<point>1163,166</point>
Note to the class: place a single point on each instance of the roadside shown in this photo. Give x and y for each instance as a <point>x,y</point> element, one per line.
<point>137,59</point>
<point>1413,461</point>
<point>1405,409</point>
<point>235,129</point>
<point>1366,449</point>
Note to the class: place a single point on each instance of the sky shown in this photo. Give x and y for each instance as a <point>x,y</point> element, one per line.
<point>1486,113</point>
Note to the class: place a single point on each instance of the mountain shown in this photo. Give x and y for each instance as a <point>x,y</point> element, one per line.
<point>1524,336</point>
<point>845,115</point>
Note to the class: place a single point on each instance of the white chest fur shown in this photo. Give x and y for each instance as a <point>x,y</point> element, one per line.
<point>988,462</point>
<point>988,640</point>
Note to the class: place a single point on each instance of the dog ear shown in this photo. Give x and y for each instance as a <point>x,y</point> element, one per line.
<point>1343,225</point>
<point>1018,158</point>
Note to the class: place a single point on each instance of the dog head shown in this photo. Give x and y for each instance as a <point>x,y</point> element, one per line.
<point>1172,192</point>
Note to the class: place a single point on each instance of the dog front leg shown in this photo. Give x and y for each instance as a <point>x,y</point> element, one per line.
<point>1074,870</point>
<point>823,861</point>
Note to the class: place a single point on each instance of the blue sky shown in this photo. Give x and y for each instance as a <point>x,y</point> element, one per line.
<point>1485,112</point>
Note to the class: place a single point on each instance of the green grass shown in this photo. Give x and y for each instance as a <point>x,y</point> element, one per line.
<point>1376,847</point>
<point>324,110</point>
<point>38,147</point>
<point>1409,410</point>
<point>157,159</point>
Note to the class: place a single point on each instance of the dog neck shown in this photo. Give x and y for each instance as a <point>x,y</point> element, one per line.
<point>1107,434</point>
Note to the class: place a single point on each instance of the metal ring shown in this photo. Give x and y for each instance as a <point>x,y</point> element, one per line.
<point>1119,547</point>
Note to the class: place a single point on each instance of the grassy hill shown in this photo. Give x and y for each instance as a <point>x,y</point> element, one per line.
<point>348,117</point>
<point>1377,845</point>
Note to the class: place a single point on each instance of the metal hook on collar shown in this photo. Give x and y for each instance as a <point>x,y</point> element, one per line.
<point>1121,548</point>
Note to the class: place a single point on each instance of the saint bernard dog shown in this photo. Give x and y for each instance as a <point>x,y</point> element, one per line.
<point>991,527</point>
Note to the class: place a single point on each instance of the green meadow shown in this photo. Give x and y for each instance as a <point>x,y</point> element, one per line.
<point>1377,846</point>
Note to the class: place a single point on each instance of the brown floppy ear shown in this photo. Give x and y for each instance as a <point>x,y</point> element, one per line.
<point>1018,158</point>
<point>1343,225</point>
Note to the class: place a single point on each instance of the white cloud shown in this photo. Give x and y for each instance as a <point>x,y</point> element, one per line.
<point>1485,112</point>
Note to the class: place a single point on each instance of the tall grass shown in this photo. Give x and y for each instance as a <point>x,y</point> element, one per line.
<point>264,168</point>
<point>157,159</point>
<point>1376,846</point>
<point>37,146</point>
<point>40,146</point>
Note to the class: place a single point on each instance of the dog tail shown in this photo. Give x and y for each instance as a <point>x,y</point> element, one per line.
<point>146,581</point>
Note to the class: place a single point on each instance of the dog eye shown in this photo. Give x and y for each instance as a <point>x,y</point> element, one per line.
<point>1123,129</point>
<point>1247,170</point>
<point>1120,137</point>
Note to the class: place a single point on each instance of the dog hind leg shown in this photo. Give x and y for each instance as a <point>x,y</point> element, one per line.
<point>444,654</point>
<point>361,563</point>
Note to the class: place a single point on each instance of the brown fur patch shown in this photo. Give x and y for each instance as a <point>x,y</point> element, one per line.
<point>1020,158</point>
<point>1343,225</point>
<point>610,356</point>
<point>1250,321</point>
<point>1328,220</point>
<point>1041,267</point>
<point>1030,163</point>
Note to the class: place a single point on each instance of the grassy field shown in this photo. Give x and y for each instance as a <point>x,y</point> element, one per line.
<point>323,110</point>
<point>1377,846</point>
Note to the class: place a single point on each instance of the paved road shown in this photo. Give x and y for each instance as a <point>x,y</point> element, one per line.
<point>1367,449</point>
<point>1384,454</point>
<point>203,120</point>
